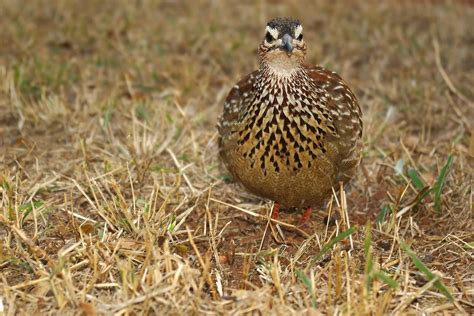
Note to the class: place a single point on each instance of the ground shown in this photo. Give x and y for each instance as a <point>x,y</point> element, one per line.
<point>113,198</point>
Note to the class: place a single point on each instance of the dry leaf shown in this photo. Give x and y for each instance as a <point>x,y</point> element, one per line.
<point>87,228</point>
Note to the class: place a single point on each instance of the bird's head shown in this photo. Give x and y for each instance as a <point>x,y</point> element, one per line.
<point>283,48</point>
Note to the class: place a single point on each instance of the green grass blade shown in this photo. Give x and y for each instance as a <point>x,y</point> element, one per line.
<point>382,214</point>
<point>334,241</point>
<point>440,181</point>
<point>28,207</point>
<point>382,276</point>
<point>424,269</point>
<point>417,182</point>
<point>308,284</point>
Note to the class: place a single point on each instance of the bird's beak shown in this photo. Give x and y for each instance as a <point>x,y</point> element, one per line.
<point>286,43</point>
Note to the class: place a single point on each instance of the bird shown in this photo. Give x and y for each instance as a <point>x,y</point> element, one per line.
<point>290,132</point>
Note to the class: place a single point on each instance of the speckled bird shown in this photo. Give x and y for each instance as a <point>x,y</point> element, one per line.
<point>290,132</point>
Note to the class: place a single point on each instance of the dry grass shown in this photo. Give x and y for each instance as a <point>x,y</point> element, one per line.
<point>112,198</point>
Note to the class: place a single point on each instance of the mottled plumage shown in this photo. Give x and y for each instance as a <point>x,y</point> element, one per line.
<point>290,132</point>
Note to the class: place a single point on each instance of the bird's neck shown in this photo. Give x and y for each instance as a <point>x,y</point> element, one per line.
<point>284,68</point>
<point>283,72</point>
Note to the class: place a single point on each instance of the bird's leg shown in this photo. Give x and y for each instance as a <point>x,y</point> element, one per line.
<point>275,210</point>
<point>306,215</point>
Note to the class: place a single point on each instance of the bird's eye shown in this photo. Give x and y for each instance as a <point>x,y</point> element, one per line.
<point>269,38</point>
<point>300,37</point>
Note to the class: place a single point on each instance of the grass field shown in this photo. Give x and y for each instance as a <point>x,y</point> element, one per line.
<point>113,198</point>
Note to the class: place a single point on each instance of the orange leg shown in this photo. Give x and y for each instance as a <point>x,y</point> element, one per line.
<point>306,215</point>
<point>275,210</point>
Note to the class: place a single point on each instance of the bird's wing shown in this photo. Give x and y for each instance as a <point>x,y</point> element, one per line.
<point>346,115</point>
<point>234,102</point>
<point>229,120</point>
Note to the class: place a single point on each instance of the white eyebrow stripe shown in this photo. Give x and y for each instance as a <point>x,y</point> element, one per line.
<point>273,32</point>
<point>298,31</point>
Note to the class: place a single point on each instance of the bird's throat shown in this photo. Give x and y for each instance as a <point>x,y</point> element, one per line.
<point>282,65</point>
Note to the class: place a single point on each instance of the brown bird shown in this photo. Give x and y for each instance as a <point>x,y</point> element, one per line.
<point>290,132</point>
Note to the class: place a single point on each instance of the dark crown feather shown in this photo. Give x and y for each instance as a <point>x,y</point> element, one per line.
<point>284,25</point>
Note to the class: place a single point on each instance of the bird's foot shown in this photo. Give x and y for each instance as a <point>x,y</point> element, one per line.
<point>306,216</point>
<point>275,210</point>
